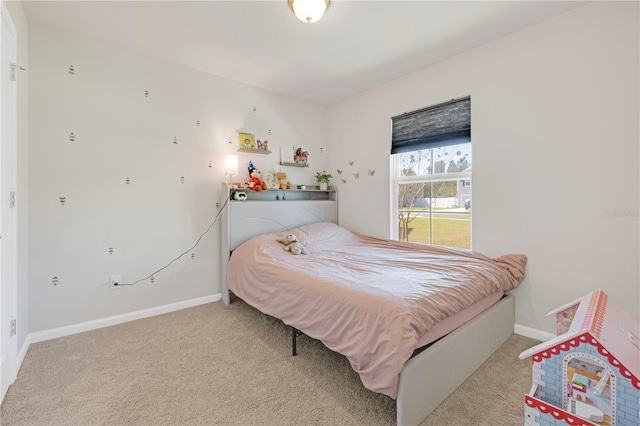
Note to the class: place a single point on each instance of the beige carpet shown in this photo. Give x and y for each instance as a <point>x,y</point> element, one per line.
<point>221,365</point>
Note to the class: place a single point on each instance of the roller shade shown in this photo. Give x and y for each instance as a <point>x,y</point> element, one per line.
<point>439,125</point>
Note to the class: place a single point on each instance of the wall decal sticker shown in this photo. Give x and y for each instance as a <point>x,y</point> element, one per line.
<point>339,171</point>
<point>255,109</point>
<point>62,200</point>
<point>198,123</point>
<point>269,132</point>
<point>72,70</point>
<point>351,162</point>
<point>321,150</point>
<point>193,256</point>
<point>72,137</point>
<point>230,139</point>
<point>127,181</point>
<point>55,281</point>
<point>356,175</point>
<point>175,140</point>
<point>152,279</point>
<point>146,93</point>
<point>371,172</point>
<point>210,164</point>
<point>344,181</point>
<point>181,179</point>
<point>110,250</point>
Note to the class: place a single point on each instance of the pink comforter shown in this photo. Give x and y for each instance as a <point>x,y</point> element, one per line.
<point>367,298</point>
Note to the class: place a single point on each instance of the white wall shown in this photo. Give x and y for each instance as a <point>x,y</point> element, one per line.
<point>555,122</point>
<point>121,133</point>
<point>22,200</point>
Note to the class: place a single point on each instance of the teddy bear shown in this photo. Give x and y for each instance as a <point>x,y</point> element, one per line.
<point>292,245</point>
<point>282,180</point>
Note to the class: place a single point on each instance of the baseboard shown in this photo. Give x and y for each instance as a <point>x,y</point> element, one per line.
<point>54,333</point>
<point>532,333</point>
<point>23,352</point>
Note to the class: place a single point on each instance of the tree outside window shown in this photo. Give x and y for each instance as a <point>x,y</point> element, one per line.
<point>433,186</point>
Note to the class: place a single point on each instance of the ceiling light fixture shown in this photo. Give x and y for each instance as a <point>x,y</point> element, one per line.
<point>309,10</point>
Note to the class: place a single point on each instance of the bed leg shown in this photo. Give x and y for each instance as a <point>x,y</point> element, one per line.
<point>294,334</point>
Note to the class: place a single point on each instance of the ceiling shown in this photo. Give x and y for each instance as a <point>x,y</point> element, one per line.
<point>357,45</point>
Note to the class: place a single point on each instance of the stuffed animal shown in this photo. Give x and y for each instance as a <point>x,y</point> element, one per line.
<point>254,182</point>
<point>251,167</point>
<point>292,245</point>
<point>282,180</point>
<point>271,182</point>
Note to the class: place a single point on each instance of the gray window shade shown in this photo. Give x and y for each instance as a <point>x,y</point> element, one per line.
<point>439,125</point>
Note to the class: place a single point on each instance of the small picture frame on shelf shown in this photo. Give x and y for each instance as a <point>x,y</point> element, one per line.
<point>262,145</point>
<point>246,141</point>
<point>286,155</point>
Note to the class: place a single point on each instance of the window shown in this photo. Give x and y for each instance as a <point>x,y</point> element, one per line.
<point>431,159</point>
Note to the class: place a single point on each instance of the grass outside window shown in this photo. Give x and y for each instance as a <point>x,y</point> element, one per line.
<point>450,232</point>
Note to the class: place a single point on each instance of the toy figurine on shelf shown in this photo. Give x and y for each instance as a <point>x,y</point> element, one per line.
<point>255,180</point>
<point>254,176</point>
<point>301,157</point>
<point>251,167</point>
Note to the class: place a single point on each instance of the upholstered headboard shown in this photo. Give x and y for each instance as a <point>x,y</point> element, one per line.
<point>267,212</point>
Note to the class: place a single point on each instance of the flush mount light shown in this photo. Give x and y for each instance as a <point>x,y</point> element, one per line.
<point>309,10</point>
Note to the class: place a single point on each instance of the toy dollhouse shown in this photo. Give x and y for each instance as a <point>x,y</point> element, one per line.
<point>590,373</point>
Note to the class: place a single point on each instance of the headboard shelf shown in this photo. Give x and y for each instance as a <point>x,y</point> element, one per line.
<point>267,212</point>
<point>285,194</point>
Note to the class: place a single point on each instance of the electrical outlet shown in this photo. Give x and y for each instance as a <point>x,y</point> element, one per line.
<point>115,280</point>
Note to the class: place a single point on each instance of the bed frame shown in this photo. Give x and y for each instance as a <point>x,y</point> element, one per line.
<point>429,377</point>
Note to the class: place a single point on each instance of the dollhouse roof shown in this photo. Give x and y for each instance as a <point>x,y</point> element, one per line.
<point>603,323</point>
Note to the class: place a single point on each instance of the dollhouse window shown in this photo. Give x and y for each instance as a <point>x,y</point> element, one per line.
<point>590,388</point>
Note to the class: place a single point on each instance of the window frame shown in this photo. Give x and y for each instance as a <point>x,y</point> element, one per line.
<point>396,181</point>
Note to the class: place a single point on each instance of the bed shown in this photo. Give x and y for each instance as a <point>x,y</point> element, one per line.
<point>368,296</point>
